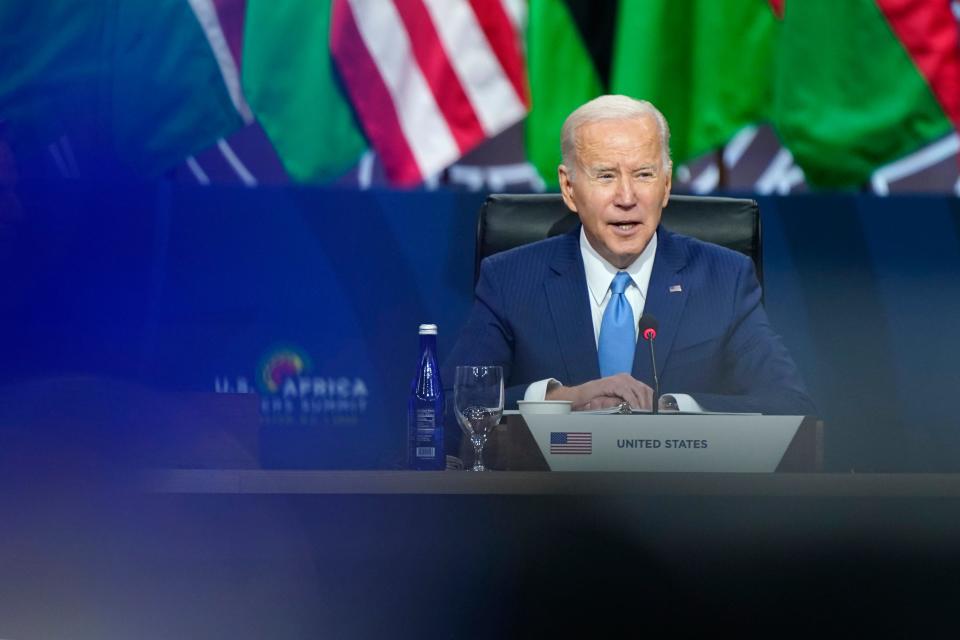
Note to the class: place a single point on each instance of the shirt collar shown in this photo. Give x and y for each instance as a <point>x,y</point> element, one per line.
<point>600,273</point>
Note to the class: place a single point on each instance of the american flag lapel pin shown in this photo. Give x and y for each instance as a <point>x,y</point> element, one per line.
<point>675,288</point>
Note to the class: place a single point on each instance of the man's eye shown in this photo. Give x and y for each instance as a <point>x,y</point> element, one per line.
<point>604,176</point>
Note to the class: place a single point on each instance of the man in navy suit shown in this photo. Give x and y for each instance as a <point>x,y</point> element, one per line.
<point>560,315</point>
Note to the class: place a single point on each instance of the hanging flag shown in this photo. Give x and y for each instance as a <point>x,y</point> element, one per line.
<point>112,85</point>
<point>930,32</point>
<point>289,80</point>
<point>849,96</point>
<point>708,68</point>
<point>429,79</point>
<point>563,72</point>
<point>222,23</point>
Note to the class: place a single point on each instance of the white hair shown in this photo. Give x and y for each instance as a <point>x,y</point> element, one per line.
<point>610,107</point>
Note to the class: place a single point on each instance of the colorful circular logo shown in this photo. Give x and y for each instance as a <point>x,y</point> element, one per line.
<point>279,366</point>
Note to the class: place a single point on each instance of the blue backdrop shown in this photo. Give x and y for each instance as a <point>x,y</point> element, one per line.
<point>311,298</point>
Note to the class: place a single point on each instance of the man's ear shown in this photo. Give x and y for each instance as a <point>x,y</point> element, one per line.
<point>566,187</point>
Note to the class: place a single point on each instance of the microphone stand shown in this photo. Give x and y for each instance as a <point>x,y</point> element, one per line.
<point>648,331</point>
<point>656,379</point>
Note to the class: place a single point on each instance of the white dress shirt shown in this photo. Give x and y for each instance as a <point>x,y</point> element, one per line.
<point>600,274</point>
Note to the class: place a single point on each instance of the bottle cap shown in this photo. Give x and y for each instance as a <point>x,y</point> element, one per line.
<point>428,329</point>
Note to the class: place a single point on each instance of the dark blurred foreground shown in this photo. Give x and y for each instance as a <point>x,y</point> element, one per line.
<point>118,565</point>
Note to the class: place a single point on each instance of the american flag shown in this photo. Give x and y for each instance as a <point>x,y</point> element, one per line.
<point>571,442</point>
<point>430,79</point>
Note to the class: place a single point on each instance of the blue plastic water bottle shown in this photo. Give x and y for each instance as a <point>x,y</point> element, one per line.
<point>425,409</point>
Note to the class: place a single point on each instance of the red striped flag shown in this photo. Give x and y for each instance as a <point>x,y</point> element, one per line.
<point>429,79</point>
<point>931,36</point>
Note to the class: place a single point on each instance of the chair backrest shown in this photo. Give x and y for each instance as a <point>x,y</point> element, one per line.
<point>511,220</point>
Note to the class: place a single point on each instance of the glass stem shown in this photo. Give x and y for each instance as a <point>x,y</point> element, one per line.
<point>478,442</point>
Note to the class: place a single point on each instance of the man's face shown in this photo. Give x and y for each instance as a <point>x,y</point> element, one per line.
<point>620,186</point>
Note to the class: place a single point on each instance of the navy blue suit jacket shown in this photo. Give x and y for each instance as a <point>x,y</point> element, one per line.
<point>531,315</point>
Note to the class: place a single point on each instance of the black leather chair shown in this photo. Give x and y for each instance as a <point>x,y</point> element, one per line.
<point>511,220</point>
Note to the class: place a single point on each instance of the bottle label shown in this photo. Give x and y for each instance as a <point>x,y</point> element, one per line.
<point>425,446</point>
<point>426,419</point>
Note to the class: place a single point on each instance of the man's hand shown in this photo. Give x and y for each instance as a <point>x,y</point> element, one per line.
<point>605,393</point>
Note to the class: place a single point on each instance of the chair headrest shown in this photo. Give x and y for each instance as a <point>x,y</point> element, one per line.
<point>512,220</point>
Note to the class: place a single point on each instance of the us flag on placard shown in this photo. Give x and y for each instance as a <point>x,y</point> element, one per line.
<point>430,79</point>
<point>571,442</point>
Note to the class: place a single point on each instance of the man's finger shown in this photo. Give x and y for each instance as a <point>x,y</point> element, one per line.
<point>636,393</point>
<point>599,402</point>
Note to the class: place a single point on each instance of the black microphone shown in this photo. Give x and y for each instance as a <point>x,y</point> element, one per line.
<point>648,331</point>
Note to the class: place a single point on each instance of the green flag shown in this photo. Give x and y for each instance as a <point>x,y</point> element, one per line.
<point>562,76</point>
<point>131,82</point>
<point>706,65</point>
<point>848,97</point>
<point>289,81</point>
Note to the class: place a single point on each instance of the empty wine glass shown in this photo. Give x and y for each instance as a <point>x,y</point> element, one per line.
<point>478,402</point>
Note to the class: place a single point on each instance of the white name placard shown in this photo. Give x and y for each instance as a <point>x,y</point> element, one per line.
<point>718,443</point>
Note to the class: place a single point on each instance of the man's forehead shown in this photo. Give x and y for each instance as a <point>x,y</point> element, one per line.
<point>634,155</point>
<point>619,136</point>
<point>645,123</point>
<point>601,164</point>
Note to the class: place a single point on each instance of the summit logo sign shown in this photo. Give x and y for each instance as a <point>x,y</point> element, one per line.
<point>292,393</point>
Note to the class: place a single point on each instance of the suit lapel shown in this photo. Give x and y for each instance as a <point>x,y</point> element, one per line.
<point>567,297</point>
<point>666,297</point>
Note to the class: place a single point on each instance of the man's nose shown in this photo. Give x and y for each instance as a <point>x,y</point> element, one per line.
<point>625,197</point>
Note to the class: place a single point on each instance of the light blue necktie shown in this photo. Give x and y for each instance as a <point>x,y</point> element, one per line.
<point>618,338</point>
